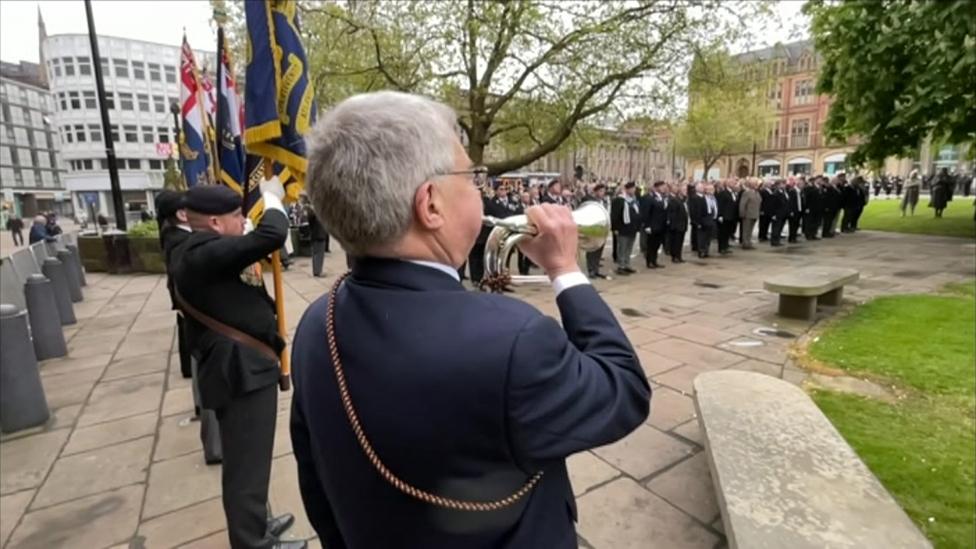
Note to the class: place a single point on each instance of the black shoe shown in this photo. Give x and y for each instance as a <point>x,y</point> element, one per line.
<point>629,270</point>
<point>725,252</point>
<point>702,255</point>
<point>674,260</point>
<point>320,275</point>
<point>280,524</point>
<point>600,276</point>
<point>775,244</point>
<point>290,544</point>
<point>622,272</point>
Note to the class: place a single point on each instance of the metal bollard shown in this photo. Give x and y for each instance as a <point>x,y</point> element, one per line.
<point>80,268</point>
<point>45,321</point>
<point>71,275</point>
<point>22,402</point>
<point>54,271</point>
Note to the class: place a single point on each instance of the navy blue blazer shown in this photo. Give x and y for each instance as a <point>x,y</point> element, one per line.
<point>463,394</point>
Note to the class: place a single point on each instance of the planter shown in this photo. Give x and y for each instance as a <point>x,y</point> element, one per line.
<point>94,255</point>
<point>146,255</point>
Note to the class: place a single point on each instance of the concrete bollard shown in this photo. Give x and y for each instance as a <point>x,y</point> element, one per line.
<point>45,321</point>
<point>81,269</point>
<point>71,275</point>
<point>54,271</point>
<point>22,402</point>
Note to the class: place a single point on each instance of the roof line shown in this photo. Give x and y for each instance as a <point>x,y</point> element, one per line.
<point>85,34</point>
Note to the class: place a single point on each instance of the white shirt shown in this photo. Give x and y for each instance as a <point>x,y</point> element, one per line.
<point>712,207</point>
<point>562,282</point>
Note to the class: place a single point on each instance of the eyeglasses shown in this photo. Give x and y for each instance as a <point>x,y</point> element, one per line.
<point>479,175</point>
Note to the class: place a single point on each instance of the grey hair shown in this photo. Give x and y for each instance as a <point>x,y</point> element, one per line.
<point>367,157</point>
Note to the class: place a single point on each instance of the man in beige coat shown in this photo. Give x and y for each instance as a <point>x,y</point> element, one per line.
<point>749,212</point>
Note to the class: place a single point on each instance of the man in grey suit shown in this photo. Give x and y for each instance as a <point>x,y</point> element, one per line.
<point>749,204</point>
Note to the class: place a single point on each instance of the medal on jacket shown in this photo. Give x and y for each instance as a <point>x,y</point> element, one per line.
<point>252,275</point>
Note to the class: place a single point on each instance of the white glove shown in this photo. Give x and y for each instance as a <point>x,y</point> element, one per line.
<point>273,186</point>
<point>272,191</point>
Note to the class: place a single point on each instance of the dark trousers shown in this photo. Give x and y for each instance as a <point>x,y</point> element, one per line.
<point>184,347</point>
<point>741,228</point>
<point>247,427</point>
<point>829,217</point>
<point>318,255</point>
<point>209,426</point>
<point>857,217</point>
<point>725,231</point>
<point>810,225</point>
<point>794,226</point>
<point>18,238</point>
<point>592,262</point>
<point>654,242</point>
<point>764,221</point>
<point>705,234</point>
<point>476,262</point>
<point>847,220</point>
<point>614,249</point>
<point>694,238</point>
<point>326,240</point>
<point>776,231</point>
<point>676,242</point>
<point>524,263</point>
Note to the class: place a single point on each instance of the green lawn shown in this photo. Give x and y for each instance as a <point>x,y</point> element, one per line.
<point>923,447</point>
<point>885,215</point>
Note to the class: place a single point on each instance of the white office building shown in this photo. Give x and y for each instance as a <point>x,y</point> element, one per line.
<point>141,81</point>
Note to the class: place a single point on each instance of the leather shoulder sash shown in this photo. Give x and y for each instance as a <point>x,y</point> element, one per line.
<point>227,331</point>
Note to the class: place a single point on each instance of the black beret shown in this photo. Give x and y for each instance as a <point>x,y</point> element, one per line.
<point>551,183</point>
<point>599,187</point>
<point>212,199</point>
<point>630,185</point>
<point>167,204</point>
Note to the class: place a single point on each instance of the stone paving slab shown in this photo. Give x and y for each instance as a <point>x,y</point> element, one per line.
<point>121,386</point>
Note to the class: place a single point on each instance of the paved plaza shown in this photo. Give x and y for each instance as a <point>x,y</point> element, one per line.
<point>120,464</point>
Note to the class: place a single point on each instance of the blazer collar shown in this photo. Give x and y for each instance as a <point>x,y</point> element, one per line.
<point>375,271</point>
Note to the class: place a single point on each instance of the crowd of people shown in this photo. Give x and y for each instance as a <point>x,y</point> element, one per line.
<point>44,228</point>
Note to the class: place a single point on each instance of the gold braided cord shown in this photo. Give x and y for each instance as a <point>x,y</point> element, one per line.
<point>357,428</point>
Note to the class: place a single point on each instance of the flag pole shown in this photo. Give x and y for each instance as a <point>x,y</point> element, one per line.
<point>284,382</point>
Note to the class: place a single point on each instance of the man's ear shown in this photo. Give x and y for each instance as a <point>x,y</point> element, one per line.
<point>428,206</point>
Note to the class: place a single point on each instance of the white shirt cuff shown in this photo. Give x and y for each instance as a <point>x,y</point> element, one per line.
<point>568,280</point>
<point>272,202</point>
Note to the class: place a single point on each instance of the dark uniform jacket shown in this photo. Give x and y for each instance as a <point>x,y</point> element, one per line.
<point>171,236</point>
<point>317,231</point>
<point>794,197</point>
<point>457,403</point>
<point>617,216</point>
<point>214,274</point>
<point>654,214</point>
<point>779,204</point>
<point>765,194</point>
<point>812,200</point>
<point>727,208</point>
<point>677,215</point>
<point>698,211</point>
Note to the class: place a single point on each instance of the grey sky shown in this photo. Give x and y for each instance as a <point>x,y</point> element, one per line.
<point>164,21</point>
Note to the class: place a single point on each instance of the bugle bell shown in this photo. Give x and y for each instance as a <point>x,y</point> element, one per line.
<point>592,223</point>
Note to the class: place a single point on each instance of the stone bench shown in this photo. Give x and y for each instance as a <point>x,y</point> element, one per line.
<point>801,290</point>
<point>784,476</point>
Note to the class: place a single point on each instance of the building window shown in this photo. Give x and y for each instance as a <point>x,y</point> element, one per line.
<point>84,66</point>
<point>110,100</point>
<point>131,134</point>
<point>159,102</point>
<point>163,134</point>
<point>135,164</point>
<point>800,133</point>
<point>803,92</point>
<point>147,134</point>
<point>88,164</point>
<point>143,102</point>
<point>80,135</point>
<point>121,67</point>
<point>155,164</point>
<point>125,101</point>
<point>114,131</point>
<point>56,63</point>
<point>67,135</point>
<point>154,72</point>
<point>69,66</point>
<point>138,70</point>
<point>170,74</point>
<point>95,131</point>
<point>62,101</point>
<point>103,163</point>
<point>89,99</point>
<point>103,61</point>
<point>75,100</point>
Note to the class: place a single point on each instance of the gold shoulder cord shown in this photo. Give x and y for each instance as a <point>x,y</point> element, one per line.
<point>433,499</point>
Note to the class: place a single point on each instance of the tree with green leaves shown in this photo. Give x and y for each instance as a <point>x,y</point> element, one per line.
<point>524,75</point>
<point>728,108</point>
<point>898,72</point>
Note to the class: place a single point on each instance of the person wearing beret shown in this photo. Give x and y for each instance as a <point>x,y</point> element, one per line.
<point>173,231</point>
<point>232,331</point>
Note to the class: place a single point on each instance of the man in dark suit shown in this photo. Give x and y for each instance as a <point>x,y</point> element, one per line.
<point>455,430</point>
<point>476,258</point>
<point>812,208</point>
<point>677,223</point>
<point>703,212</point>
<point>625,222</point>
<point>320,243</point>
<point>691,192</point>
<point>232,330</point>
<point>832,201</point>
<point>728,216</point>
<point>654,223</point>
<point>795,198</point>
<point>850,199</point>
<point>765,193</point>
<point>779,210</point>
